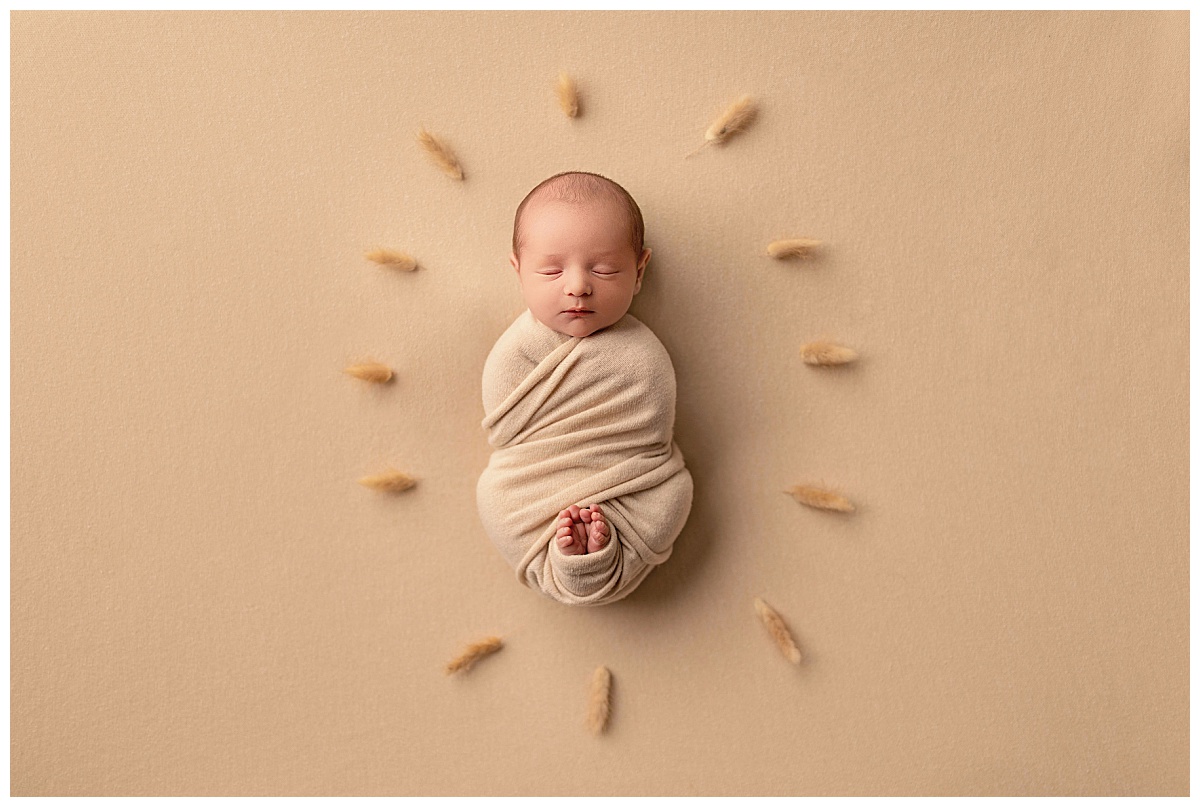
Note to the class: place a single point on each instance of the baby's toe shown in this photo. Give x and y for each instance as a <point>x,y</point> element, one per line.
<point>597,540</point>
<point>569,543</point>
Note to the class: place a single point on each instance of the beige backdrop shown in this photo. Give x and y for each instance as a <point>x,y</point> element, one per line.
<point>205,600</point>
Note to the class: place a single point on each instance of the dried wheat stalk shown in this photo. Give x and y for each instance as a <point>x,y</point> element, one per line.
<point>599,700</point>
<point>440,153</point>
<point>820,498</point>
<point>822,352</point>
<point>792,248</point>
<point>778,630</point>
<point>391,480</point>
<point>392,259</point>
<point>568,95</point>
<point>370,371</point>
<point>473,652</point>
<point>735,119</point>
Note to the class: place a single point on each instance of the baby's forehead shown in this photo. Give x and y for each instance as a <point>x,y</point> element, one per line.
<point>549,203</point>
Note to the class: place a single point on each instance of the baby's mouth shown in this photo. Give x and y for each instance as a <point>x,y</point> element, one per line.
<point>578,311</point>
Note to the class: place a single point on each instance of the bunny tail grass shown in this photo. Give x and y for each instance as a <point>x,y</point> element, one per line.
<point>568,95</point>
<point>440,154</point>
<point>823,353</point>
<point>474,652</point>
<point>599,700</point>
<point>735,119</point>
<point>820,498</point>
<point>778,630</point>
<point>370,371</point>
<point>391,481</point>
<point>792,248</point>
<point>392,259</point>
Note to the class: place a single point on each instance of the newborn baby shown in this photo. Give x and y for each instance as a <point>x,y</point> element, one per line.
<point>586,491</point>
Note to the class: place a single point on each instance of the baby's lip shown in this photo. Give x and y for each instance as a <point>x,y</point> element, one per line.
<point>577,309</point>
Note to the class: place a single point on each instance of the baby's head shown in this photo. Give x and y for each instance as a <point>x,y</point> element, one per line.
<point>577,243</point>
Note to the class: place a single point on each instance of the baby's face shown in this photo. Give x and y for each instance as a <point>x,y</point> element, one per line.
<point>577,256</point>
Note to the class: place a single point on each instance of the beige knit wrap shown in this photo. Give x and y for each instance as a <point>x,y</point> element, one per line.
<point>582,420</point>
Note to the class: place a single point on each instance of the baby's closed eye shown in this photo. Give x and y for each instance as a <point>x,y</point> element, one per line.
<point>551,272</point>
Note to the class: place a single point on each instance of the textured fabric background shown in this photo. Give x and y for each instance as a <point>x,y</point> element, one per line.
<point>205,601</point>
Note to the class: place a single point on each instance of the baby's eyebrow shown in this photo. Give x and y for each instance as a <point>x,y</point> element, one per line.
<point>609,254</point>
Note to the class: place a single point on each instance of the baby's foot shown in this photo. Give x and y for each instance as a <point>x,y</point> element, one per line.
<point>572,534</point>
<point>597,528</point>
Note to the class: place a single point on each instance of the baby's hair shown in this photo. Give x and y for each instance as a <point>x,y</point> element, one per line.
<point>582,187</point>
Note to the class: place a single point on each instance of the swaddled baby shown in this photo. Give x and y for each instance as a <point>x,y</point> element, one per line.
<point>586,490</point>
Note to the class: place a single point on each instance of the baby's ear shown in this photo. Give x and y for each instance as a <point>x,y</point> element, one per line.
<point>641,269</point>
<point>516,264</point>
<point>642,262</point>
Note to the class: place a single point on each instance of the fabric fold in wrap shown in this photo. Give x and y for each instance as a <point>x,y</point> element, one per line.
<point>582,420</point>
